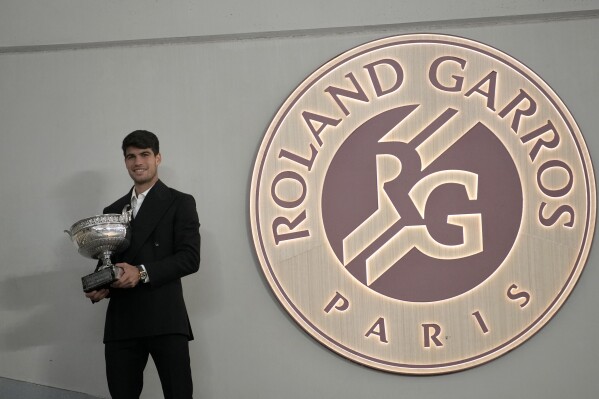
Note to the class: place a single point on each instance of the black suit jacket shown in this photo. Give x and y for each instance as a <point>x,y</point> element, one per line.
<point>165,238</point>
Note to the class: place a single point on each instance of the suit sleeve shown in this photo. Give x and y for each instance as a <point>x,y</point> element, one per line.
<point>184,258</point>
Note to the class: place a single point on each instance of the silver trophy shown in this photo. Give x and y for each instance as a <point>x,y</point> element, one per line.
<point>99,237</point>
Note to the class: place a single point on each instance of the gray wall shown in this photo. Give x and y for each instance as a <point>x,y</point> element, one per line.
<point>76,76</point>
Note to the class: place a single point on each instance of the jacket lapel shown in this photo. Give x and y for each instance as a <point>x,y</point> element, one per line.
<point>156,203</point>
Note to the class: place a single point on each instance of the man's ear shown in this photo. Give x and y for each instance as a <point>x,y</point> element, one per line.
<point>158,158</point>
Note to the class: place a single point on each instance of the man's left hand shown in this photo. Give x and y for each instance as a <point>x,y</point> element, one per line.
<point>129,277</point>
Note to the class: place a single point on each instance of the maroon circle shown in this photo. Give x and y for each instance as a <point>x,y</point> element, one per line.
<point>349,197</point>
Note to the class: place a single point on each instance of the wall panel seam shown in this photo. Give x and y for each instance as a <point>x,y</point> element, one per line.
<point>425,26</point>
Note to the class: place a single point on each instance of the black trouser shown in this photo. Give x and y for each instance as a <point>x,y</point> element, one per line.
<point>127,359</point>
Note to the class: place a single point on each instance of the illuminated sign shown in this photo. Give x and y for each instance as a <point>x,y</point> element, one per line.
<point>422,204</point>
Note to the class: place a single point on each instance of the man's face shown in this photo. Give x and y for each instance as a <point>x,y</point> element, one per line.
<point>142,165</point>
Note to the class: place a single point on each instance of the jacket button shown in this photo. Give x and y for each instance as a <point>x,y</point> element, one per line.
<point>156,244</point>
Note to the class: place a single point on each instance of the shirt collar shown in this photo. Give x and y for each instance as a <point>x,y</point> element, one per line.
<point>140,196</point>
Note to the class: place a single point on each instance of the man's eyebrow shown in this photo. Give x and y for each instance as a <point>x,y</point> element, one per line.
<point>145,152</point>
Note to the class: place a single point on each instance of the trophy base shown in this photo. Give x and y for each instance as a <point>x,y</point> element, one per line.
<point>100,279</point>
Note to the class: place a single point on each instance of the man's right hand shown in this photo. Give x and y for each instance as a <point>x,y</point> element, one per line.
<point>98,295</point>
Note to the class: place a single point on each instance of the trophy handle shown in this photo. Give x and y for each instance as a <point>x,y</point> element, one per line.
<point>126,214</point>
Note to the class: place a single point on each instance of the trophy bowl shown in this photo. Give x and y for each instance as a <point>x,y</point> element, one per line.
<point>99,237</point>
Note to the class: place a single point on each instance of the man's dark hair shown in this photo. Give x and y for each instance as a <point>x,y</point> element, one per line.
<point>141,139</point>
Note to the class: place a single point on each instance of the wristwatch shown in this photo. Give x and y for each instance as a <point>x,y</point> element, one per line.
<point>143,274</point>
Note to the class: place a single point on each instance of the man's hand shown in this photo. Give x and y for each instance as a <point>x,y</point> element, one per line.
<point>98,295</point>
<point>129,277</point>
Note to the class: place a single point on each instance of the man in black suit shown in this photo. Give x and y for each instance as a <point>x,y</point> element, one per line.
<point>146,314</point>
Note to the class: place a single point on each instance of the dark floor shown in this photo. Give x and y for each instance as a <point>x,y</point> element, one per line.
<point>13,389</point>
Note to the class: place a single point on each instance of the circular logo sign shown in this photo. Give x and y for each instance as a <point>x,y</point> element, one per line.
<point>422,204</point>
